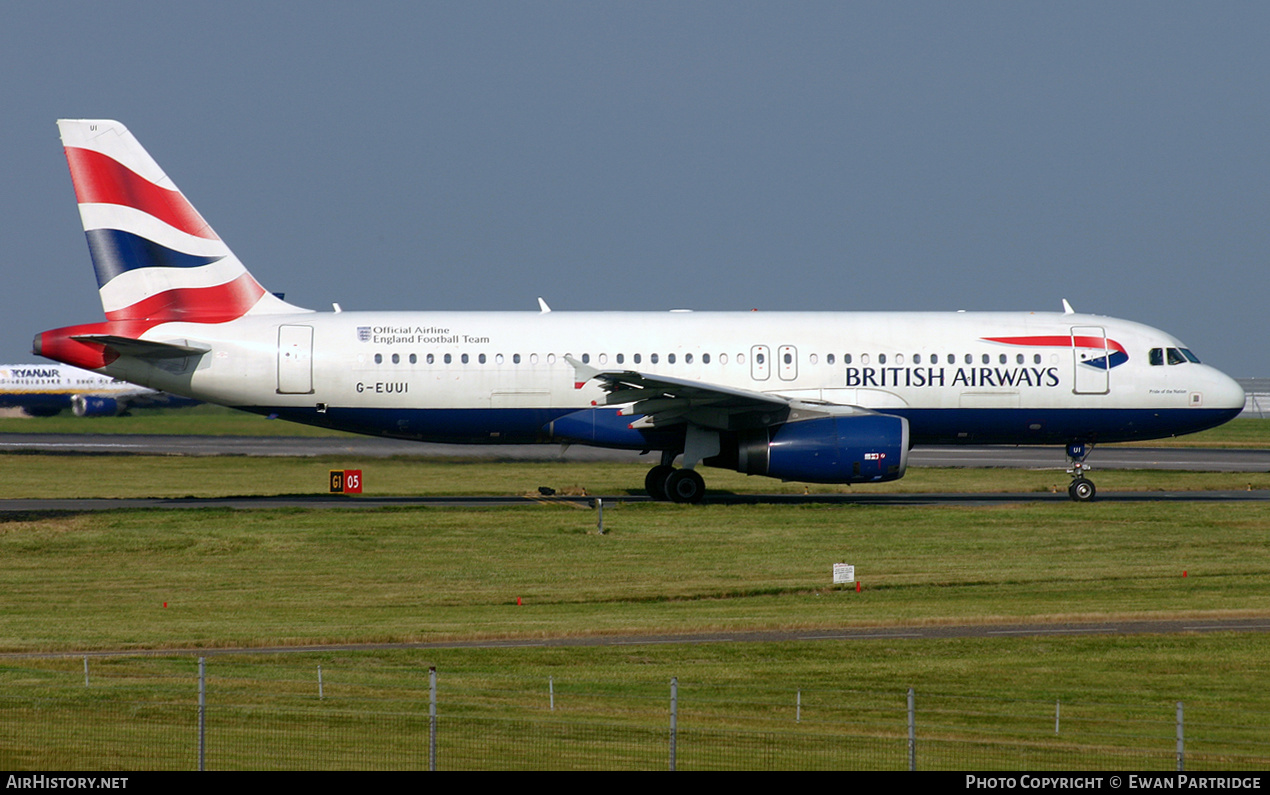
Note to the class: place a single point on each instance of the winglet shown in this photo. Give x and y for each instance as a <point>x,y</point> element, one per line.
<point>582,372</point>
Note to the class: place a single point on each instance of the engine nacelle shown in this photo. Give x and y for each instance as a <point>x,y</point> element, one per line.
<point>94,406</point>
<point>857,448</point>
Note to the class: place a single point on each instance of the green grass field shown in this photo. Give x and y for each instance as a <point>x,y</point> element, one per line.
<point>129,581</point>
<point>132,581</point>
<point>233,578</point>
<point>116,476</point>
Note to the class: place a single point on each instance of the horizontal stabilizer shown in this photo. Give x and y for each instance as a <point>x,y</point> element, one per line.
<point>143,349</point>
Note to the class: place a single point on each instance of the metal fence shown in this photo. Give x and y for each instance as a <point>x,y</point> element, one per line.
<point>229,719</point>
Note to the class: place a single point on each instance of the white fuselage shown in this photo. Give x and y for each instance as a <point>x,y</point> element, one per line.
<point>1003,377</point>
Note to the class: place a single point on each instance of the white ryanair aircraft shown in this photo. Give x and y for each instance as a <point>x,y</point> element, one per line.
<point>44,390</point>
<point>820,397</point>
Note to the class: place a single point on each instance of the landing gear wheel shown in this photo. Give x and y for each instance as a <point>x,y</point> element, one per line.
<point>685,485</point>
<point>1082,490</point>
<point>655,482</point>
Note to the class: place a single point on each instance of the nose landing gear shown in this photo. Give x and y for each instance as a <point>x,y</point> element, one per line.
<point>1082,488</point>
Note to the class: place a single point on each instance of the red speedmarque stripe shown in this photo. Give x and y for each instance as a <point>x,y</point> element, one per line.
<point>102,180</point>
<point>1059,342</point>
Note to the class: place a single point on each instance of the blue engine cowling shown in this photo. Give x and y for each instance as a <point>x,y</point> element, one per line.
<point>94,406</point>
<point>857,448</point>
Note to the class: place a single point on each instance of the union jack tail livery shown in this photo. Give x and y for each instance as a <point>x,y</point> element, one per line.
<point>156,259</point>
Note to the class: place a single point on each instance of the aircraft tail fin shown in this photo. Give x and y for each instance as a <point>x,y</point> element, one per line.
<point>156,258</point>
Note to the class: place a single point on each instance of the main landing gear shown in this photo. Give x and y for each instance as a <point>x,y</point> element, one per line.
<point>1082,488</point>
<point>664,482</point>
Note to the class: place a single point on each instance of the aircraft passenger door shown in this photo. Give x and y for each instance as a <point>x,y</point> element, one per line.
<point>1091,358</point>
<point>760,362</point>
<point>295,360</point>
<point>787,362</point>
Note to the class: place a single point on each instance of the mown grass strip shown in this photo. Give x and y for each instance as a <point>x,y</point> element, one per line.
<point>117,476</point>
<point>227,578</point>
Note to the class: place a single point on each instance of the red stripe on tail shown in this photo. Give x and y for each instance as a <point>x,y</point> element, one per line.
<point>102,180</point>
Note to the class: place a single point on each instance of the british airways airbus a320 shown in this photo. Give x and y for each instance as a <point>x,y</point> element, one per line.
<point>818,397</point>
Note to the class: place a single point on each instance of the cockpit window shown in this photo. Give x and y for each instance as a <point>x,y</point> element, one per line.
<point>1156,357</point>
<point>1176,357</point>
<point>1190,357</point>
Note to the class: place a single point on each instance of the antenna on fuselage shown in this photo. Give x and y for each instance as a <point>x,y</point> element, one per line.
<point>542,306</point>
<point>1067,308</point>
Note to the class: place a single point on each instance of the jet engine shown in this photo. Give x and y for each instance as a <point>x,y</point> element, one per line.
<point>94,406</point>
<point>855,448</point>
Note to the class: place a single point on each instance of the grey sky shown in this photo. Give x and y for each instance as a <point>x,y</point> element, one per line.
<point>706,155</point>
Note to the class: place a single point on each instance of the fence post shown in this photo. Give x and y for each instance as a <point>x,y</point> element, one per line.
<point>912,732</point>
<point>432,718</point>
<point>551,691</point>
<point>85,670</point>
<point>1057,708</point>
<point>798,712</point>
<point>202,714</point>
<point>674,717</point>
<point>321,694</point>
<point>1180,751</point>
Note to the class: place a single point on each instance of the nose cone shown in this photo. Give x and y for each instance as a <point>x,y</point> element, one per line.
<point>1224,393</point>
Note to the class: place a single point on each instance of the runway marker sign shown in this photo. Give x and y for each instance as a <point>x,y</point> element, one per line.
<point>346,481</point>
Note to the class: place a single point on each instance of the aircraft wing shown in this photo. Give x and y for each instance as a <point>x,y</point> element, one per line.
<point>664,400</point>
